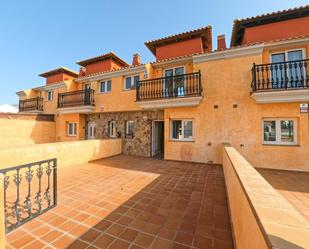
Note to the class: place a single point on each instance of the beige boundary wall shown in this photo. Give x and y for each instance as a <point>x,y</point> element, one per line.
<point>261,217</point>
<point>67,153</point>
<point>24,129</point>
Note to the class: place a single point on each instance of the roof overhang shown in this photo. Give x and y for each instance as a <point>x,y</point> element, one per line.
<point>60,70</point>
<point>204,33</point>
<point>240,25</point>
<point>103,57</point>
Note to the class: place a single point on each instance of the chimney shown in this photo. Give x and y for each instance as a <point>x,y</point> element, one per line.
<point>221,42</point>
<point>82,71</point>
<point>136,60</point>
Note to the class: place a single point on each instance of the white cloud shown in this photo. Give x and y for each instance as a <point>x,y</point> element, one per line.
<point>8,108</point>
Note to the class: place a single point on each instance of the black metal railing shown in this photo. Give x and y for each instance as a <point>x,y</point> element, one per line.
<point>280,76</point>
<point>184,85</point>
<point>29,190</point>
<point>33,104</point>
<point>76,98</point>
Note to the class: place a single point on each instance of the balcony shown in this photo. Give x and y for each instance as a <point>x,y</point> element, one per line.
<point>33,105</point>
<point>81,101</point>
<point>281,82</point>
<point>168,92</point>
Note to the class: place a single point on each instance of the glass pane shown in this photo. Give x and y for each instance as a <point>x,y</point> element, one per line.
<point>176,129</point>
<point>109,86</point>
<point>278,72</point>
<point>136,78</point>
<point>294,72</point>
<point>102,87</point>
<point>287,131</point>
<point>187,125</point>
<point>179,70</point>
<point>270,131</point>
<point>168,73</point>
<point>130,127</point>
<point>128,82</point>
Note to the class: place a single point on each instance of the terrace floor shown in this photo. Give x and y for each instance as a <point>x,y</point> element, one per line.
<point>294,186</point>
<point>133,202</point>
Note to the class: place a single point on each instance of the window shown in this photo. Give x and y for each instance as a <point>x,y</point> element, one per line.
<point>279,131</point>
<point>112,129</point>
<point>129,128</point>
<point>130,82</point>
<point>174,81</point>
<point>105,86</point>
<point>50,95</point>
<point>182,130</point>
<point>72,129</point>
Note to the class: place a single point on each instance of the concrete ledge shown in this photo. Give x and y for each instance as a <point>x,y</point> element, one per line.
<point>261,217</point>
<point>170,102</point>
<point>67,153</point>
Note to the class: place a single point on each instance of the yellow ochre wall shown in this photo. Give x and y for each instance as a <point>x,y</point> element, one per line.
<point>19,130</point>
<point>227,82</point>
<point>67,153</point>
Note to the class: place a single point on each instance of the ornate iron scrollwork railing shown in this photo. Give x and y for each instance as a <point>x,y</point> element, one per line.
<point>29,190</point>
<point>177,86</point>
<point>280,76</point>
<point>33,104</point>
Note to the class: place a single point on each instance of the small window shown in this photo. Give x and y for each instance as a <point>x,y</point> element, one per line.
<point>130,82</point>
<point>112,129</point>
<point>279,131</point>
<point>50,95</point>
<point>72,129</point>
<point>129,129</point>
<point>105,86</point>
<point>182,130</point>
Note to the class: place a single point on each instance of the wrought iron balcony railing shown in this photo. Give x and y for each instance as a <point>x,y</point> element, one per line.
<point>33,104</point>
<point>280,76</point>
<point>184,85</point>
<point>29,190</point>
<point>76,98</point>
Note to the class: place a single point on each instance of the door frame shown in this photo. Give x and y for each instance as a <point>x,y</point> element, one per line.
<point>153,135</point>
<point>88,130</point>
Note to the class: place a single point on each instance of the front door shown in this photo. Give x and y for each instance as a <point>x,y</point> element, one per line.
<point>157,138</point>
<point>91,130</point>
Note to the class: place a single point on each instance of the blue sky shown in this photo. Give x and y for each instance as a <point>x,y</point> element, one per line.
<point>37,36</point>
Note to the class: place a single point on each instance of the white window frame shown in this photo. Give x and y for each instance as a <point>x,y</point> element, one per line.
<point>74,129</point>
<point>182,130</point>
<point>132,82</point>
<point>285,52</point>
<point>278,131</point>
<point>127,127</point>
<point>50,95</point>
<point>111,135</point>
<point>105,89</point>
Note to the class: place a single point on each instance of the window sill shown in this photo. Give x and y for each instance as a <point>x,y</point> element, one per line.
<point>71,135</point>
<point>182,140</point>
<point>99,93</point>
<point>284,145</point>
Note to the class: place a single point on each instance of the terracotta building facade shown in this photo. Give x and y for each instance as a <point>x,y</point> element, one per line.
<point>194,97</point>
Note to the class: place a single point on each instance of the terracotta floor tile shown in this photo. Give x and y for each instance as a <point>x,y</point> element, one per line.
<point>179,246</point>
<point>103,241</point>
<point>36,244</point>
<point>146,202</point>
<point>22,241</point>
<point>90,235</point>
<point>119,244</point>
<point>63,242</point>
<point>51,236</point>
<point>144,240</point>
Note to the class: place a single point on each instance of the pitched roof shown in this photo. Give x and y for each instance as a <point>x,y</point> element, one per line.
<point>240,25</point>
<point>204,32</point>
<point>102,57</point>
<point>59,70</point>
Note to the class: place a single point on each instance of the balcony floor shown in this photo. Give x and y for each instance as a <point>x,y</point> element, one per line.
<point>133,202</point>
<point>294,186</point>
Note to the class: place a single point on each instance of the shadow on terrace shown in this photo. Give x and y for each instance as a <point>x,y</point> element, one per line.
<point>133,202</point>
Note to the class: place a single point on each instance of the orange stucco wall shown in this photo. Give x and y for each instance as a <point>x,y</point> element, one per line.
<point>57,78</point>
<point>278,30</point>
<point>62,121</point>
<point>227,82</point>
<point>101,66</point>
<point>187,47</point>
